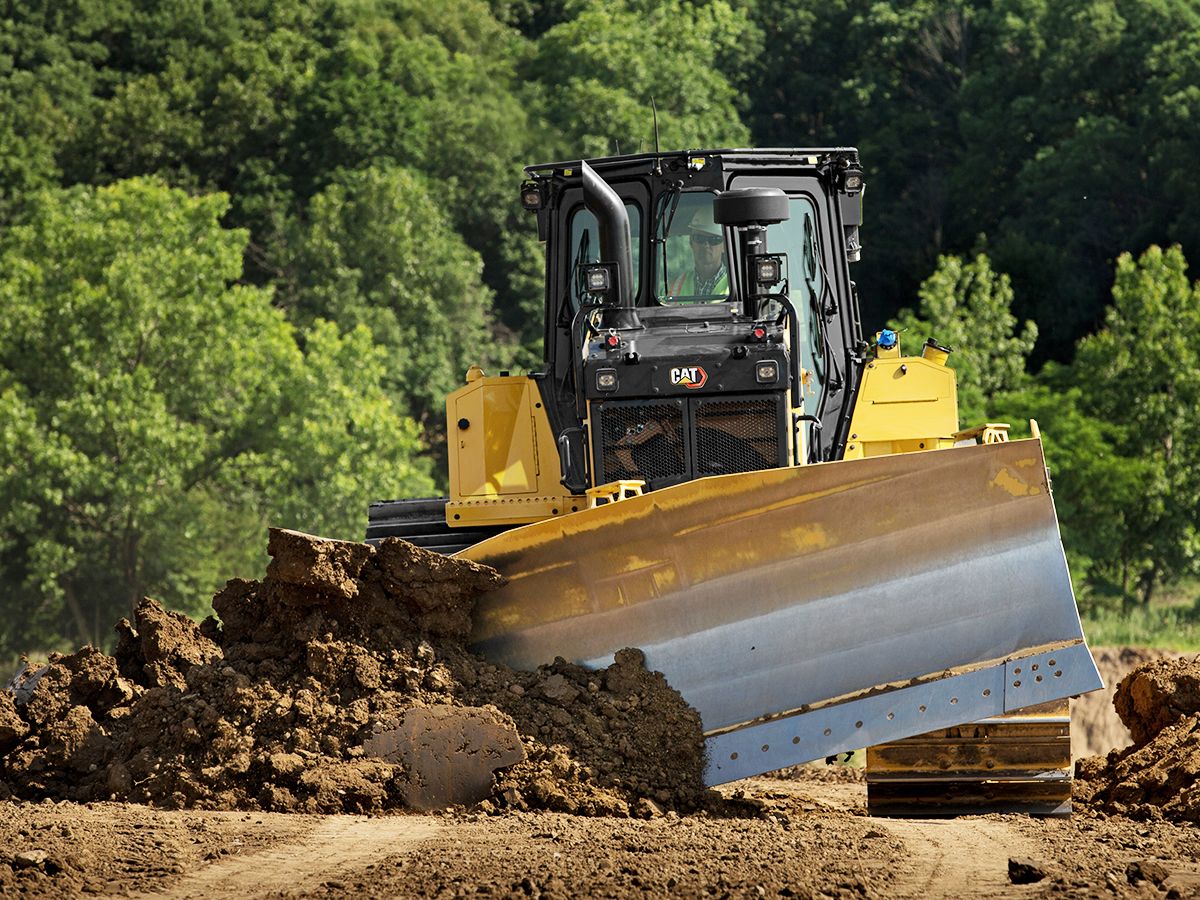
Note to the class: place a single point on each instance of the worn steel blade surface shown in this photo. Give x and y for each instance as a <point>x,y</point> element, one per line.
<point>767,593</point>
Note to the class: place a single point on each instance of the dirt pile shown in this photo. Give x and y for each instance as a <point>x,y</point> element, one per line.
<point>1095,726</point>
<point>1159,776</point>
<point>340,683</point>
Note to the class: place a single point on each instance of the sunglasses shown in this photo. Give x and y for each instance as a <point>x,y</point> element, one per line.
<point>708,240</point>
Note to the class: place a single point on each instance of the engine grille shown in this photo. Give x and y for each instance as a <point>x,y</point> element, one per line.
<point>643,440</point>
<point>736,436</point>
<point>664,442</point>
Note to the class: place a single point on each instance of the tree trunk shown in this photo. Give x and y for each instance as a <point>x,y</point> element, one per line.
<point>82,628</point>
<point>1148,582</point>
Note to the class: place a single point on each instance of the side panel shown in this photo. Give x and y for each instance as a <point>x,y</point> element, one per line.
<point>905,404</point>
<point>503,461</point>
<point>495,438</point>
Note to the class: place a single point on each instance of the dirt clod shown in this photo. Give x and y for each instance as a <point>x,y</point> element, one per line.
<point>1159,776</point>
<point>1158,694</point>
<point>325,566</point>
<point>1022,870</point>
<point>448,753</point>
<point>340,683</point>
<point>1152,870</point>
<point>12,728</point>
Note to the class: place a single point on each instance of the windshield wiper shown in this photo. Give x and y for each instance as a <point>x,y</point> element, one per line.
<point>662,229</point>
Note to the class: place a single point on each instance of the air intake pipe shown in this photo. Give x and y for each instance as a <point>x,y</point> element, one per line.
<point>749,211</point>
<point>616,245</point>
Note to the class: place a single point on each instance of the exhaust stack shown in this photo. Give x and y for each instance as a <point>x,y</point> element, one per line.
<point>616,244</point>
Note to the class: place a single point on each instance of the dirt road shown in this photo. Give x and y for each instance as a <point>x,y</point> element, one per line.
<point>335,846</point>
<point>805,837</point>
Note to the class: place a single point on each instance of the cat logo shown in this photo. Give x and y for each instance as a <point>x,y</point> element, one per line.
<point>691,377</point>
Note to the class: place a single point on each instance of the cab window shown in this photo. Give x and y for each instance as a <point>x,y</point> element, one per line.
<point>797,237</point>
<point>585,246</point>
<point>691,260</point>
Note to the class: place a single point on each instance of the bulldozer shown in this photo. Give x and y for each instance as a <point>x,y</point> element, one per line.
<point>718,465</point>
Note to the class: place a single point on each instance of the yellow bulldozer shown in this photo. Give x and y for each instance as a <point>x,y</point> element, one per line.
<point>717,465</point>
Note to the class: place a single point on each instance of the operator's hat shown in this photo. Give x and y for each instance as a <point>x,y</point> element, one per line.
<point>702,223</point>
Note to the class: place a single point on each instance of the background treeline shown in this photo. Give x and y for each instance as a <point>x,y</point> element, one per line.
<point>247,247</point>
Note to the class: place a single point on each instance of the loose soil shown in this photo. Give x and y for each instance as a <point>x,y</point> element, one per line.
<point>294,743</point>
<point>339,683</point>
<point>1158,777</point>
<point>795,837</point>
<point>1095,726</point>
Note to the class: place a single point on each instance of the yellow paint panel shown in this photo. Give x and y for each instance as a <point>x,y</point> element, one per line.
<point>468,468</point>
<point>1018,487</point>
<point>903,399</point>
<point>503,458</point>
<point>495,449</point>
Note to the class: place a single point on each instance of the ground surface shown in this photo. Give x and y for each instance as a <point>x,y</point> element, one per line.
<point>336,691</point>
<point>802,837</point>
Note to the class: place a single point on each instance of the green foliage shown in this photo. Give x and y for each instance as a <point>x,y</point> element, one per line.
<point>433,89</point>
<point>157,415</point>
<point>599,70</point>
<point>1060,129</point>
<point>380,252</point>
<point>1168,627</point>
<point>1142,370</point>
<point>1120,438</point>
<point>967,306</point>
<point>341,441</point>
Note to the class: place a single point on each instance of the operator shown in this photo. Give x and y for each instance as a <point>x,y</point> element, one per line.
<point>709,277</point>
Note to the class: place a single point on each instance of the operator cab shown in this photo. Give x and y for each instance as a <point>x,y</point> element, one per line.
<point>700,316</point>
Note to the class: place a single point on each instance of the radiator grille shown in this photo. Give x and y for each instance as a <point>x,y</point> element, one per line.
<point>643,440</point>
<point>736,436</point>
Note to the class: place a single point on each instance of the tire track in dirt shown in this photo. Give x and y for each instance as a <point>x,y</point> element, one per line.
<point>956,857</point>
<point>336,847</point>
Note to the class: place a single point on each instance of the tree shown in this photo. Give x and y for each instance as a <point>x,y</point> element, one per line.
<point>598,72</point>
<point>1074,115</point>
<point>156,415</point>
<point>379,251</point>
<point>1142,370</point>
<point>434,89</point>
<point>1061,129</point>
<point>886,77</point>
<point>967,306</point>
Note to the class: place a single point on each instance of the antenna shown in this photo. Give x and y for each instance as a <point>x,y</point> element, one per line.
<point>657,151</point>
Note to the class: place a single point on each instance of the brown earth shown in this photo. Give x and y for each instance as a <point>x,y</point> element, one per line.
<point>799,837</point>
<point>1158,777</point>
<point>339,683</point>
<point>1095,726</point>
<point>337,690</point>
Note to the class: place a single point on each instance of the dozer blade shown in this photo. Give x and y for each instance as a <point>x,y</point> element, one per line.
<point>811,610</point>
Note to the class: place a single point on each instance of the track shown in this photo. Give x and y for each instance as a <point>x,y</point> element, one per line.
<point>423,522</point>
<point>336,847</point>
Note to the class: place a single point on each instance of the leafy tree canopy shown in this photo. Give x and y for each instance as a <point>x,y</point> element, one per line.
<point>1143,370</point>
<point>967,306</point>
<point>599,70</point>
<point>380,251</point>
<point>157,414</point>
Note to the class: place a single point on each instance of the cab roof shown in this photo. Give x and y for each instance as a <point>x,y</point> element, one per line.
<point>737,157</point>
